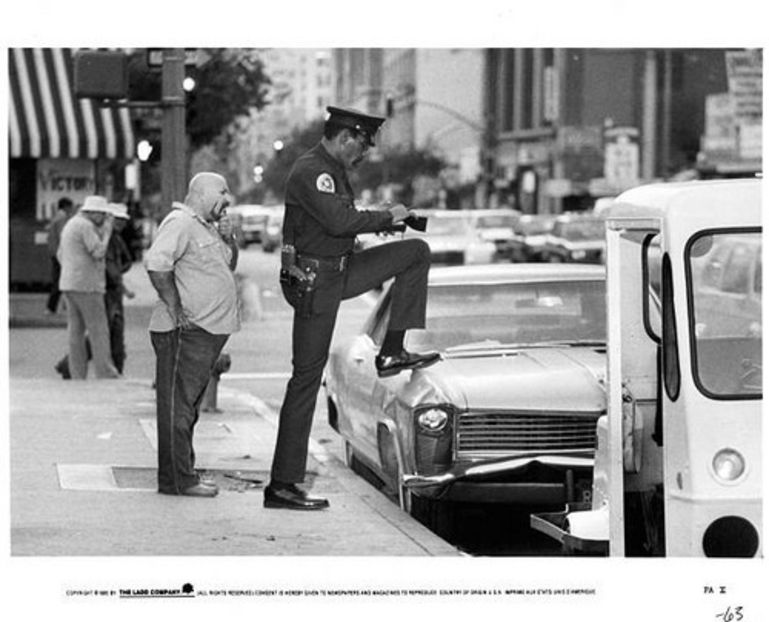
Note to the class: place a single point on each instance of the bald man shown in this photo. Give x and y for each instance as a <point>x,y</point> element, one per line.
<point>190,264</point>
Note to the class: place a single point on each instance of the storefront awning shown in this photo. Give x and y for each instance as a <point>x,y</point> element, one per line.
<point>48,121</point>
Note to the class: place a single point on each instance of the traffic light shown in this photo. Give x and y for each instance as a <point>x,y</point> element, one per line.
<point>389,106</point>
<point>101,74</point>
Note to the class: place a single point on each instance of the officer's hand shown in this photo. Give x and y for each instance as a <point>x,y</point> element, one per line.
<point>399,213</point>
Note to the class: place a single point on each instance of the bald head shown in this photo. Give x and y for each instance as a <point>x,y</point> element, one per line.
<point>208,195</point>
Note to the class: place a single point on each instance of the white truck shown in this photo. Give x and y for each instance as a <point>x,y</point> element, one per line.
<point>678,466</point>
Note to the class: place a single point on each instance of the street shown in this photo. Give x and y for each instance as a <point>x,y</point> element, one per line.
<point>260,355</point>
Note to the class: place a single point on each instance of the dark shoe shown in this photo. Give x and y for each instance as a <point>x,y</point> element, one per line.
<point>392,365</point>
<point>291,498</point>
<point>62,367</point>
<point>200,490</point>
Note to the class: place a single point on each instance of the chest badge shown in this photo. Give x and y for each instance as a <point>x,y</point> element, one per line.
<point>325,183</point>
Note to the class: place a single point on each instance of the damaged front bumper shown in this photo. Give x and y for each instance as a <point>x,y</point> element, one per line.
<point>579,528</point>
<point>487,481</point>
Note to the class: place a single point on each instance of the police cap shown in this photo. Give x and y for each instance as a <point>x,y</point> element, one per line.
<point>356,120</point>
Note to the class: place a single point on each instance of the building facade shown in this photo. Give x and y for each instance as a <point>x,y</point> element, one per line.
<point>433,99</point>
<point>59,146</point>
<point>568,125</point>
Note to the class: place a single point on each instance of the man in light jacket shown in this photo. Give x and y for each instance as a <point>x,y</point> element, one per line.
<point>81,253</point>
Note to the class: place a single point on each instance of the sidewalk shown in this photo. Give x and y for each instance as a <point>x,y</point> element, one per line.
<point>83,483</point>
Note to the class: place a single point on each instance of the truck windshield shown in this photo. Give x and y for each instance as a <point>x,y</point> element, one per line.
<point>725,295</point>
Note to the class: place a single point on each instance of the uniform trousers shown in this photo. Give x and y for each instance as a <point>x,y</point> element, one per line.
<point>408,261</point>
<point>86,312</point>
<point>185,358</point>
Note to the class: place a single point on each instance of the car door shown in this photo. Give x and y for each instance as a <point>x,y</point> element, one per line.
<point>361,395</point>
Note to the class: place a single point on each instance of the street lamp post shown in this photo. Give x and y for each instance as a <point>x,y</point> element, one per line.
<point>173,163</point>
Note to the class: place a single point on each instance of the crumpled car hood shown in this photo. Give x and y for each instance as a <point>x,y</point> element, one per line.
<point>549,379</point>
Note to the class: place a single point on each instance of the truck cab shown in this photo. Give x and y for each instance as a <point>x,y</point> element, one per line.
<point>678,465</point>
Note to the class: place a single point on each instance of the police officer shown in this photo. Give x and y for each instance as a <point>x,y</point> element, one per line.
<point>319,269</point>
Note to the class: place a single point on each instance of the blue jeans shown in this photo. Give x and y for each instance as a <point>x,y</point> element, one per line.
<point>185,359</point>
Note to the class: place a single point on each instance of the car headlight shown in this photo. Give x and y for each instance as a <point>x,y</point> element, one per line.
<point>728,465</point>
<point>578,254</point>
<point>433,419</point>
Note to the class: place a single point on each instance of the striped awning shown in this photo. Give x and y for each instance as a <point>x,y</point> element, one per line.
<point>48,121</point>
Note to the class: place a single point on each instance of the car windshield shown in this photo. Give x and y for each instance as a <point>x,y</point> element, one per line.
<point>725,293</point>
<point>494,314</point>
<point>584,230</point>
<point>447,226</point>
<point>492,222</point>
<point>533,227</point>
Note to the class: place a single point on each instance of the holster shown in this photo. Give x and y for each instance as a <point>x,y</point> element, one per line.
<point>299,293</point>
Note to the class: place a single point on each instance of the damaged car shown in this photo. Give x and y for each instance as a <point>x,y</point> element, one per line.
<point>508,415</point>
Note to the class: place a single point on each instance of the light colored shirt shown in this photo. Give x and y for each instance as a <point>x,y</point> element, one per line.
<point>194,251</point>
<point>81,253</point>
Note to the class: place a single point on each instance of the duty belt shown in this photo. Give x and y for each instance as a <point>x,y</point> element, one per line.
<point>333,264</point>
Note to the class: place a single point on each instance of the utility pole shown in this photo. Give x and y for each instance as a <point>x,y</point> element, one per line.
<point>173,162</point>
<point>649,133</point>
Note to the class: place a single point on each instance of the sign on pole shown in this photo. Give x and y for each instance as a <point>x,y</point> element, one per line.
<point>155,57</point>
<point>744,72</point>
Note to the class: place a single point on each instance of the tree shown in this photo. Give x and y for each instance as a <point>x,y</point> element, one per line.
<point>229,83</point>
<point>301,140</point>
<point>401,168</point>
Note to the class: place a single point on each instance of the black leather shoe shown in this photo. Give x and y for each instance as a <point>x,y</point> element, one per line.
<point>200,490</point>
<point>291,498</point>
<point>391,365</point>
<point>62,367</point>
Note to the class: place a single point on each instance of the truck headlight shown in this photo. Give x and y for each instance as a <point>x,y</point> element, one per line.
<point>433,419</point>
<point>728,465</point>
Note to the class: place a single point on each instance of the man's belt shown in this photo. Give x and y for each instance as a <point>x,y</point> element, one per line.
<point>332,264</point>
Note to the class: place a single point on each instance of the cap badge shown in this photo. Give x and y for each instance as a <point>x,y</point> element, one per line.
<point>325,183</point>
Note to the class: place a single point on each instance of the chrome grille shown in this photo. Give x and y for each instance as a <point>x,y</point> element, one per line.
<point>509,433</point>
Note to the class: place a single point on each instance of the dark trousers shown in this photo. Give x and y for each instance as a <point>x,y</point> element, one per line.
<point>53,297</point>
<point>409,262</point>
<point>113,301</point>
<point>184,362</point>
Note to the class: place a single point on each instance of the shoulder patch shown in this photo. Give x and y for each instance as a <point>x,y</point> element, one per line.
<point>325,183</point>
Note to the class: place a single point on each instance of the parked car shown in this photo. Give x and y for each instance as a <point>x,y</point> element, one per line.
<point>509,413</point>
<point>576,238</point>
<point>253,219</point>
<point>495,225</point>
<point>453,239</point>
<point>528,237</point>
<point>728,274</point>
<point>272,238</point>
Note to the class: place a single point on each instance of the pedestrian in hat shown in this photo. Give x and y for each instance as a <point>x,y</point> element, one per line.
<point>81,253</point>
<point>117,261</point>
<point>63,214</point>
<point>319,269</point>
<point>190,264</point>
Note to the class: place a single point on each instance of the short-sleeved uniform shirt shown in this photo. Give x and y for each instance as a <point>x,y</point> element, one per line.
<point>321,218</point>
<point>194,251</point>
